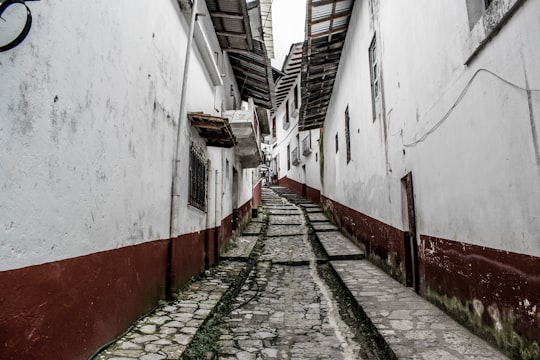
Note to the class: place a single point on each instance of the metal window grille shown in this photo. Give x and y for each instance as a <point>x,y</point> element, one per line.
<point>197,179</point>
<point>348,134</point>
<point>375,78</point>
<point>288,157</point>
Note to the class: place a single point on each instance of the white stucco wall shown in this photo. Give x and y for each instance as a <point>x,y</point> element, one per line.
<point>477,175</point>
<point>89,104</point>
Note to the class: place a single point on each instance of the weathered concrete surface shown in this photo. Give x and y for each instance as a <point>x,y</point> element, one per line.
<point>338,247</point>
<point>324,226</point>
<point>317,217</point>
<point>240,249</point>
<point>413,327</point>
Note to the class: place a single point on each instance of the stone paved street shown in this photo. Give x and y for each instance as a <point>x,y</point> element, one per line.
<point>165,333</point>
<point>271,297</point>
<point>284,310</point>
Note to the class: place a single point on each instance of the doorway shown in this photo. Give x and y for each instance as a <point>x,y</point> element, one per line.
<point>412,273</point>
<point>235,199</point>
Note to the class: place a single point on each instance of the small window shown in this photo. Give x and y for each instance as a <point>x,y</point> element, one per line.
<point>347,135</point>
<point>337,145</point>
<point>197,179</point>
<point>274,127</point>
<point>288,157</point>
<point>295,92</point>
<point>287,119</point>
<point>375,71</point>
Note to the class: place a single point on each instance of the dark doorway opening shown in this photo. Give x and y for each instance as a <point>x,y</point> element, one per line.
<point>412,273</point>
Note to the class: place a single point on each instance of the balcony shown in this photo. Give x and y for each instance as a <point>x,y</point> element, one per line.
<point>306,145</point>
<point>245,127</point>
<point>295,157</point>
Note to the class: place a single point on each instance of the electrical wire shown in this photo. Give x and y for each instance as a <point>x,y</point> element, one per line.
<point>458,100</point>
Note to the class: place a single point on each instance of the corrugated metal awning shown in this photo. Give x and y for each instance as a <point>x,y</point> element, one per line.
<point>253,73</point>
<point>215,130</point>
<point>327,22</point>
<point>248,57</point>
<point>231,23</point>
<point>291,67</point>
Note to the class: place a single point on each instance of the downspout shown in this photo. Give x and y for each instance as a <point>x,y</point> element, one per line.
<point>171,263</point>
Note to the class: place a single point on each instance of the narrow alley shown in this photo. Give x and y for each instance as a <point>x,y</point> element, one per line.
<point>269,179</point>
<point>293,287</point>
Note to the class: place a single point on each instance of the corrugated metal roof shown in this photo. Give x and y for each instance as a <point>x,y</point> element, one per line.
<point>327,22</point>
<point>266,15</point>
<point>231,22</point>
<point>253,74</point>
<point>248,57</point>
<point>291,67</point>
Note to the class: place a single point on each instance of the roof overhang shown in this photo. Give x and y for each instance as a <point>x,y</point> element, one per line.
<point>248,56</point>
<point>327,22</point>
<point>291,68</point>
<point>254,75</point>
<point>215,130</point>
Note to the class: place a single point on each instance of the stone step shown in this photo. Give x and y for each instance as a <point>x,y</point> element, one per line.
<point>339,247</point>
<point>411,326</point>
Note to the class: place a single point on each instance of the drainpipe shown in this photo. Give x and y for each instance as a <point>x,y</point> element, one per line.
<point>171,273</point>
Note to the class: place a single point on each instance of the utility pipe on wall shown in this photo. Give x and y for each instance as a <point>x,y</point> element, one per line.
<point>175,183</point>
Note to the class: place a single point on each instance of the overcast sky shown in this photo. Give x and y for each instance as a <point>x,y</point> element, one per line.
<point>288,21</point>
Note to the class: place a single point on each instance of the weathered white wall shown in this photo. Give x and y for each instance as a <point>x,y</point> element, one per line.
<point>88,113</point>
<point>476,176</point>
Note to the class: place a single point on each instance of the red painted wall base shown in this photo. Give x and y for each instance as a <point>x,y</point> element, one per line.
<point>494,293</point>
<point>300,189</point>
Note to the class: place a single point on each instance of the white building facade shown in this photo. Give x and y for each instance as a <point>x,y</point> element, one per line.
<point>431,154</point>
<point>114,191</point>
<point>294,153</point>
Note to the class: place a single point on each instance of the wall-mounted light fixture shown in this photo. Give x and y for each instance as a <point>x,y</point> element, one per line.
<point>15,23</point>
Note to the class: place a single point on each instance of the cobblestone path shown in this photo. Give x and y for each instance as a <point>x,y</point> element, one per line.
<point>284,310</point>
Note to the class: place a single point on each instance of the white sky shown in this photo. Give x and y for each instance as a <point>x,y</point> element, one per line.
<point>288,22</point>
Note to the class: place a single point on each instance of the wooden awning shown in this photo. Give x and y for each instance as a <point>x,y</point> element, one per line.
<point>215,130</point>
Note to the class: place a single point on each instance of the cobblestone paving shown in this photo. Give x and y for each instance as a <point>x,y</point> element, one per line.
<point>165,332</point>
<point>287,249</point>
<point>283,311</point>
<point>414,328</point>
<point>286,319</point>
<point>285,230</point>
<point>285,220</point>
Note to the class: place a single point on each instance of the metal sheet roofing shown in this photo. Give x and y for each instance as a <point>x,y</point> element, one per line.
<point>327,22</point>
<point>254,75</point>
<point>248,57</point>
<point>231,23</point>
<point>291,68</point>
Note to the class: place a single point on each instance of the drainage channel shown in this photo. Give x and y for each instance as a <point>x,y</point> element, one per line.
<point>283,305</point>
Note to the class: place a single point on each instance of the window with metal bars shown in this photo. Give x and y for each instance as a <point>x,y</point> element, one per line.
<point>375,72</point>
<point>197,179</point>
<point>348,134</point>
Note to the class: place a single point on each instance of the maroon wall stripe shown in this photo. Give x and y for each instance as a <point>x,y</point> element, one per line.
<point>67,309</point>
<point>298,188</point>
<point>384,244</point>
<point>502,284</point>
